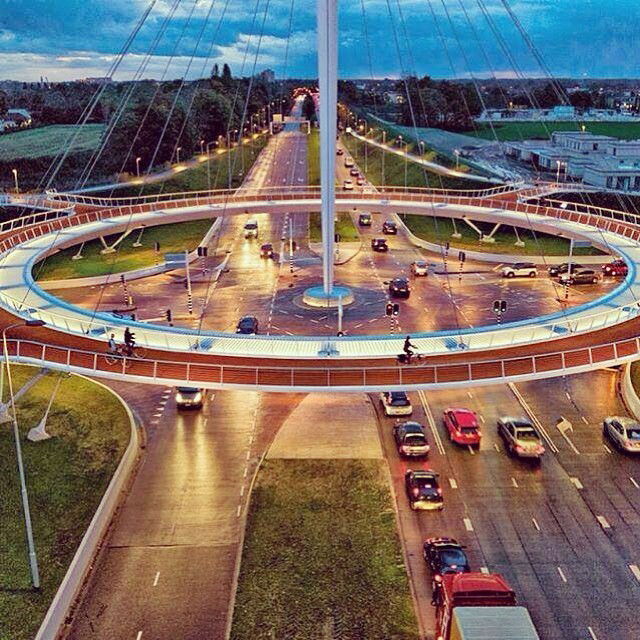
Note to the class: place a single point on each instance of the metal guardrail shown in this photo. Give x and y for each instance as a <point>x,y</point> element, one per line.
<point>520,335</point>
<point>35,218</point>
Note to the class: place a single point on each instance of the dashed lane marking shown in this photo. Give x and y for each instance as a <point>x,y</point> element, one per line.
<point>155,580</point>
<point>576,482</point>
<point>635,571</point>
<point>604,523</point>
<point>453,482</point>
<point>592,633</point>
<point>633,482</point>
<point>535,524</point>
<point>514,482</point>
<point>484,570</point>
<point>468,525</point>
<point>562,576</point>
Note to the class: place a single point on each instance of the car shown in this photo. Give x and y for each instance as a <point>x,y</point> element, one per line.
<point>339,152</point>
<point>623,432</point>
<point>347,185</point>
<point>558,269</point>
<point>617,268</point>
<point>354,173</point>
<point>420,268</point>
<point>423,489</point>
<point>411,439</point>
<point>521,269</point>
<point>247,325</point>
<point>251,229</point>
<point>360,182</point>
<point>365,219</point>
<point>390,227</point>
<point>399,287</point>
<point>396,403</point>
<point>444,556</point>
<point>379,244</point>
<point>348,162</point>
<point>462,426</point>
<point>520,438</point>
<point>266,250</point>
<point>580,276</point>
<point>189,397</point>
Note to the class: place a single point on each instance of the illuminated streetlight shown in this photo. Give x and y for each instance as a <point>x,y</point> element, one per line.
<point>201,146</point>
<point>15,177</point>
<point>178,154</point>
<point>138,166</point>
<point>456,152</point>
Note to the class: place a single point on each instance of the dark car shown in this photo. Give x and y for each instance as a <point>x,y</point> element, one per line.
<point>266,250</point>
<point>339,152</point>
<point>379,244</point>
<point>444,556</point>
<point>354,172</point>
<point>247,325</point>
<point>423,489</point>
<point>389,227</point>
<point>411,439</point>
<point>617,268</point>
<point>364,219</point>
<point>580,276</point>
<point>558,269</point>
<point>399,288</point>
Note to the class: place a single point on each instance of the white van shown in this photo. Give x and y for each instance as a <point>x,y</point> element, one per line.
<point>251,229</point>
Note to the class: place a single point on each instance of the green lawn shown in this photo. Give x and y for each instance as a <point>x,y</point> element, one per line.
<point>48,141</point>
<point>529,130</point>
<point>199,177</point>
<point>313,157</point>
<point>66,478</point>
<point>394,169</point>
<point>343,226</point>
<point>635,375</point>
<point>439,230</point>
<point>321,557</point>
<point>173,238</point>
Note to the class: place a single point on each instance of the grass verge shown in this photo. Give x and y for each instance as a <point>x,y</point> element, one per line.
<point>394,169</point>
<point>173,238</point>
<point>321,557</point>
<point>313,157</point>
<point>66,478</point>
<point>529,130</point>
<point>343,226</point>
<point>439,230</point>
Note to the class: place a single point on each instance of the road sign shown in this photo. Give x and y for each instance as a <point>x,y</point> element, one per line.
<point>203,251</point>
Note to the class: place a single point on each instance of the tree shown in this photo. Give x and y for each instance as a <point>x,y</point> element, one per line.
<point>212,113</point>
<point>3,103</point>
<point>309,108</point>
<point>226,74</point>
<point>215,72</point>
<point>581,100</point>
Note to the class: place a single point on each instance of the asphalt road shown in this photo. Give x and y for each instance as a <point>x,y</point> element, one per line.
<point>564,533</point>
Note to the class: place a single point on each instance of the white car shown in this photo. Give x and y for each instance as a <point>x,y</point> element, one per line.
<point>348,185</point>
<point>189,397</point>
<point>520,269</point>
<point>623,432</point>
<point>396,403</point>
<point>419,268</point>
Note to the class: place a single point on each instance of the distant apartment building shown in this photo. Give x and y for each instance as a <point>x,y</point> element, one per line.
<point>103,80</point>
<point>562,113</point>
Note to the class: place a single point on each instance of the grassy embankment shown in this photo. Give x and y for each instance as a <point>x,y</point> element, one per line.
<point>344,224</point>
<point>66,478</point>
<point>321,557</point>
<point>530,130</point>
<point>173,238</point>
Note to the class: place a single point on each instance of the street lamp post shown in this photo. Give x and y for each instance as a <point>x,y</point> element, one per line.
<point>202,147</point>
<point>384,143</point>
<point>138,166</point>
<point>178,154</point>
<point>33,559</point>
<point>214,143</point>
<point>558,171</point>
<point>15,178</point>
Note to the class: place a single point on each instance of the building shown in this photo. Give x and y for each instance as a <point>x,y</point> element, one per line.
<point>580,141</point>
<point>7,125</point>
<point>104,80</point>
<point>612,173</point>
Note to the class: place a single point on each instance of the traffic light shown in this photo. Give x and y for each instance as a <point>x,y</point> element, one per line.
<point>336,237</point>
<point>169,318</point>
<point>499,306</point>
<point>462,256</point>
<point>203,252</point>
<point>396,308</point>
<point>389,308</point>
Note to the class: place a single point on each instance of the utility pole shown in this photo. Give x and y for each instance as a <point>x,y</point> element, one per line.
<point>189,296</point>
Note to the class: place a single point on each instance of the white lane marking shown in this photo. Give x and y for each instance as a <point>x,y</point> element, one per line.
<point>537,422</point>
<point>635,571</point>
<point>453,483</point>
<point>248,454</point>
<point>470,394</point>
<point>592,633</point>
<point>634,483</point>
<point>603,522</point>
<point>584,420</point>
<point>471,451</point>
<point>155,580</point>
<point>497,448</point>
<point>241,491</point>
<point>606,448</point>
<point>514,482</point>
<point>431,421</point>
<point>139,636</point>
<point>562,576</point>
<point>566,393</point>
<point>576,483</point>
<point>246,471</point>
<point>535,524</point>
<point>467,524</point>
<point>157,415</point>
<point>481,417</point>
<point>484,570</point>
<point>238,511</point>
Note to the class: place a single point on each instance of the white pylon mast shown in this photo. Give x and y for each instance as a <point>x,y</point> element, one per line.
<point>328,86</point>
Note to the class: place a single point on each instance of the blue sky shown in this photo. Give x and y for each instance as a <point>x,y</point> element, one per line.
<point>68,39</point>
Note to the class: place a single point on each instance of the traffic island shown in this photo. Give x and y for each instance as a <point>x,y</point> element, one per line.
<point>66,477</point>
<point>317,297</point>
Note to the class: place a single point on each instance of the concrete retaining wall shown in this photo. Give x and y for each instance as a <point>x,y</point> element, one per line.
<point>82,560</point>
<point>501,258</point>
<point>628,392</point>
<point>135,274</point>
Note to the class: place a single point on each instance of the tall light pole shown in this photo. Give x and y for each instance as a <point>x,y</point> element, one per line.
<point>138,166</point>
<point>384,142</point>
<point>457,155</point>
<point>202,147</point>
<point>15,177</point>
<point>178,154</point>
<point>214,143</point>
<point>33,559</point>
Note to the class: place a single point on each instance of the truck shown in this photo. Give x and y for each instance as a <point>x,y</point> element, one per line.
<point>480,606</point>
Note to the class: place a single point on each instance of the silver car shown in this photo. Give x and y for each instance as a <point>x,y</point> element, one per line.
<point>623,432</point>
<point>420,268</point>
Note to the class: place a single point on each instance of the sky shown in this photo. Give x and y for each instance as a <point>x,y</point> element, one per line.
<point>71,39</point>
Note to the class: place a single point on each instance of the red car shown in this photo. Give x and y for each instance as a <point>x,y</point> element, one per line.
<point>462,425</point>
<point>616,268</point>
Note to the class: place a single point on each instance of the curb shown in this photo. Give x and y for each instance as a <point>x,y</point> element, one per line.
<point>627,391</point>
<point>79,569</point>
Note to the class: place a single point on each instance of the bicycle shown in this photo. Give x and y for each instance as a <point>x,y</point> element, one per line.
<point>125,354</point>
<point>404,358</point>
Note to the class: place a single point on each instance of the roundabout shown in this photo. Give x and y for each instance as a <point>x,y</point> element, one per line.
<point>599,333</point>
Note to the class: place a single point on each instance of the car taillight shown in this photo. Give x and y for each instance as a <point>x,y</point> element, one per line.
<point>519,449</point>
<point>438,579</point>
<point>541,449</point>
<point>439,492</point>
<point>416,492</point>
